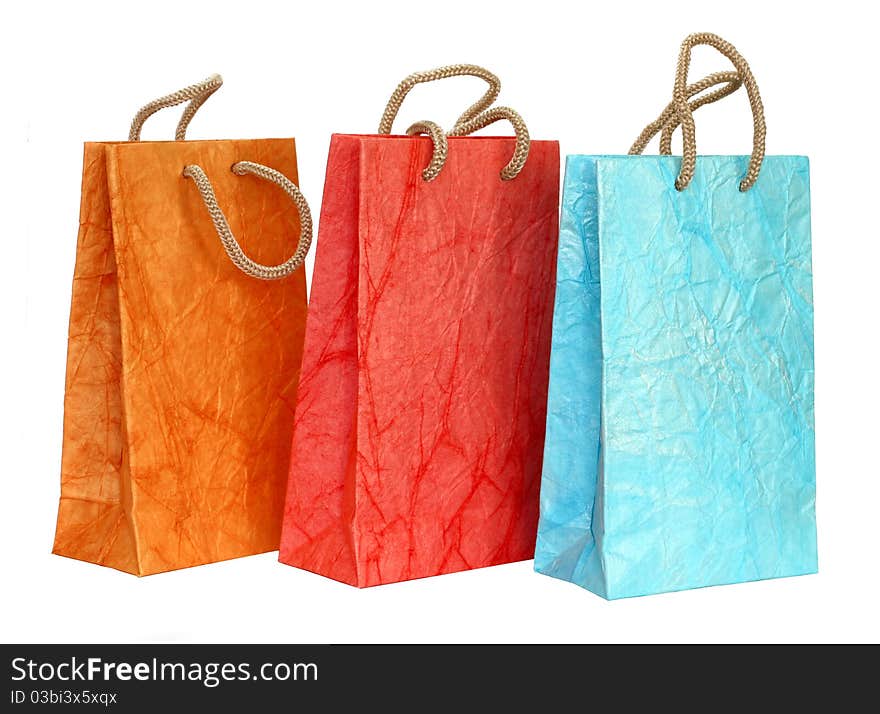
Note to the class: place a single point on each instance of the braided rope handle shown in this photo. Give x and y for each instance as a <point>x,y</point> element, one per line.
<point>490,116</point>
<point>432,75</point>
<point>679,97</point>
<point>440,150</point>
<point>196,94</point>
<point>669,120</point>
<point>231,245</point>
<point>478,115</point>
<point>733,83</point>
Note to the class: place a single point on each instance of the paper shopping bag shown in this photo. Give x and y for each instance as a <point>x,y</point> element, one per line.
<point>680,429</point>
<point>182,364</point>
<point>420,422</point>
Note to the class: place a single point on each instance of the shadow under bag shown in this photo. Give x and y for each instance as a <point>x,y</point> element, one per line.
<point>183,353</point>
<point>680,428</point>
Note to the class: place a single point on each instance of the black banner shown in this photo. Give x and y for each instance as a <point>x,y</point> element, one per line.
<point>123,678</point>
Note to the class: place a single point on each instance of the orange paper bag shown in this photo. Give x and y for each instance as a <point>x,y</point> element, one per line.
<point>184,353</point>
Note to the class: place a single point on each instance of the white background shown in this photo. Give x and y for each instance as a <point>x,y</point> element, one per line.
<point>588,74</point>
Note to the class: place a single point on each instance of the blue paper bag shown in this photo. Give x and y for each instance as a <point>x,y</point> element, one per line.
<point>680,430</point>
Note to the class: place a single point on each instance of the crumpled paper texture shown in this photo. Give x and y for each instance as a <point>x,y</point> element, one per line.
<point>182,371</point>
<point>680,428</point>
<point>419,430</point>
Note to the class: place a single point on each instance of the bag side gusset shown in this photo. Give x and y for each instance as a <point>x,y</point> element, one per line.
<point>319,512</point>
<point>94,520</point>
<point>570,523</point>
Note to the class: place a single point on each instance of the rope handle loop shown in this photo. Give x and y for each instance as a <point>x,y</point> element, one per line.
<point>478,115</point>
<point>196,94</point>
<point>230,244</point>
<point>679,96</point>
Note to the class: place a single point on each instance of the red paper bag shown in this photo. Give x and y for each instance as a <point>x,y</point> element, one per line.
<point>419,428</point>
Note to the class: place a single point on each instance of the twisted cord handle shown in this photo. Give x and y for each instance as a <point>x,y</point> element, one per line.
<point>231,245</point>
<point>196,94</point>
<point>478,115</point>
